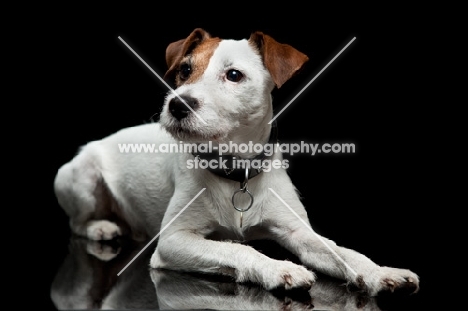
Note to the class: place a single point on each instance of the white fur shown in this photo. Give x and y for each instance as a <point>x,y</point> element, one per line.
<point>148,187</point>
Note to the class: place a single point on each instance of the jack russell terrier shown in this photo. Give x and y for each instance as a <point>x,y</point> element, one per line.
<point>223,95</point>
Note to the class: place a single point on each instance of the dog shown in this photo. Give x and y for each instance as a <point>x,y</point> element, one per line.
<point>222,95</point>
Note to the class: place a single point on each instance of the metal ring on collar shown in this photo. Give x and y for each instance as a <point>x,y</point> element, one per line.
<point>251,200</point>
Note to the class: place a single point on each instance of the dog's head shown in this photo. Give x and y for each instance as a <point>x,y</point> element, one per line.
<point>224,85</point>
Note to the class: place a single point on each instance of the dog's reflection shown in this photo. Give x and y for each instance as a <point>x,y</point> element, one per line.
<point>88,279</point>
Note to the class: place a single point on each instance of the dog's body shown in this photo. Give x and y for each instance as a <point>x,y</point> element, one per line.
<point>227,84</point>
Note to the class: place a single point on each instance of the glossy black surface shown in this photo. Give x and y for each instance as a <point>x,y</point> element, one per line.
<point>90,278</point>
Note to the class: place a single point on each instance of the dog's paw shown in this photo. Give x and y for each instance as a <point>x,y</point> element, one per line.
<point>285,274</point>
<point>102,251</point>
<point>388,279</point>
<point>102,230</point>
<point>393,279</point>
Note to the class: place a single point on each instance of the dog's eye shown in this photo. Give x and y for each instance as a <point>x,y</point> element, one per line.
<point>184,71</point>
<point>234,75</point>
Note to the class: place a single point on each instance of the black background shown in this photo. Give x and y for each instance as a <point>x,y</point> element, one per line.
<point>89,85</point>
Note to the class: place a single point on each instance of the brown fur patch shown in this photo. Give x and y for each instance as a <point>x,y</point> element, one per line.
<point>199,59</point>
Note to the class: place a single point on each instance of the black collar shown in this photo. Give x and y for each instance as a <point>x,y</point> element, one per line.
<point>238,173</point>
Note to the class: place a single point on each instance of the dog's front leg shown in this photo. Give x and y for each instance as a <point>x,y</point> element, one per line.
<point>292,230</point>
<point>186,250</point>
<point>183,246</point>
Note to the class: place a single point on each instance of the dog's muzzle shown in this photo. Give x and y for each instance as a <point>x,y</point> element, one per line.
<point>180,107</point>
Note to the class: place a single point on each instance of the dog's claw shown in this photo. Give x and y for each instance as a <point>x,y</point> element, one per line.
<point>412,284</point>
<point>409,280</point>
<point>360,283</point>
<point>390,284</point>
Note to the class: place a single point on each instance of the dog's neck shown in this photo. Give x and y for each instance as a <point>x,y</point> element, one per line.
<point>247,136</point>
<point>251,136</point>
<point>255,130</point>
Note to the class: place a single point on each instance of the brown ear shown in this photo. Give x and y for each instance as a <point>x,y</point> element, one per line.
<point>281,60</point>
<point>177,50</point>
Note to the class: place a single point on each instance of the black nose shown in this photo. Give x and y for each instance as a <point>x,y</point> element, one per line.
<point>179,109</point>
